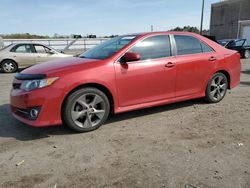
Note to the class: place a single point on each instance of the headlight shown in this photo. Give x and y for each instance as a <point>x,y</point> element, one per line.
<point>29,85</point>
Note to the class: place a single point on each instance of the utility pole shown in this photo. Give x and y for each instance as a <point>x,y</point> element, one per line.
<point>152,28</point>
<point>202,14</point>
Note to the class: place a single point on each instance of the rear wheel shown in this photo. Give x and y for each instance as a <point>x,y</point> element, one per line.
<point>247,54</point>
<point>86,109</point>
<point>216,88</point>
<point>9,66</point>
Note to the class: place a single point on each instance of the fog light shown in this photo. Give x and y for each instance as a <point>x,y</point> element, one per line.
<point>34,113</point>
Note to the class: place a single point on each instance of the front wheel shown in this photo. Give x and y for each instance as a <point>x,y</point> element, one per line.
<point>86,109</point>
<point>216,88</point>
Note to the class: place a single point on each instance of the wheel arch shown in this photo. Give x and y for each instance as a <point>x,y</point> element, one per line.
<point>10,60</point>
<point>94,85</point>
<point>226,73</point>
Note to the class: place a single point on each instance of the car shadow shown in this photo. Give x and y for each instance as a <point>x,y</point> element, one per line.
<point>12,128</point>
<point>244,83</point>
<point>154,110</point>
<point>247,71</point>
<point>21,69</point>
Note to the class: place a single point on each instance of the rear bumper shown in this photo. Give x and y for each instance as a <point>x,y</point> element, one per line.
<point>48,100</point>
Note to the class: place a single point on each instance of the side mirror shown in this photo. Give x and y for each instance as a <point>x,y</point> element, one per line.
<point>130,56</point>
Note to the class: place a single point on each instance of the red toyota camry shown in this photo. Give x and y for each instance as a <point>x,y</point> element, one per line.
<point>125,73</point>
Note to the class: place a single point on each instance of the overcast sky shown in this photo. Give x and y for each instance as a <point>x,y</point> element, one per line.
<point>101,17</point>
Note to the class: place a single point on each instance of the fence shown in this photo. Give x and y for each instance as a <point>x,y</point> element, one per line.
<point>81,44</point>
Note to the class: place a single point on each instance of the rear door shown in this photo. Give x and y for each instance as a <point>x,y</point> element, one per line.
<point>148,79</point>
<point>23,54</point>
<point>194,62</point>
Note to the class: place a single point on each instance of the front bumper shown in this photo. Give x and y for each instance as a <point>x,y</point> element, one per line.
<point>48,100</point>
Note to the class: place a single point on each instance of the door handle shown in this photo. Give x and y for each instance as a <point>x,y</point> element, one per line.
<point>212,58</point>
<point>170,64</point>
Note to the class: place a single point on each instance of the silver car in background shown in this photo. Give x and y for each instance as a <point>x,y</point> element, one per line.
<point>22,55</point>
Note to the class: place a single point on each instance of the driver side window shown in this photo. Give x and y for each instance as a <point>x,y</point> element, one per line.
<point>153,47</point>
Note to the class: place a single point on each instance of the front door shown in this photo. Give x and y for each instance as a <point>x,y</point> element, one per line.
<point>151,78</point>
<point>42,53</point>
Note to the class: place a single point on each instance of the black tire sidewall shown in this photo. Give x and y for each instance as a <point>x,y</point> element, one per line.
<point>66,111</point>
<point>208,97</point>
<point>9,61</point>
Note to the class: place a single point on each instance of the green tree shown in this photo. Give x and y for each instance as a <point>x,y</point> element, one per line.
<point>186,28</point>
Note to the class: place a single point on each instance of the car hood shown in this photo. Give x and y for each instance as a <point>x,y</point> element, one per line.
<point>60,66</point>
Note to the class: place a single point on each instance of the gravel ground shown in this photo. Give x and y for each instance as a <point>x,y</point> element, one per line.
<point>188,143</point>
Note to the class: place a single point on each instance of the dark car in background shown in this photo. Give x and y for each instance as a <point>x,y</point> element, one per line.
<point>238,45</point>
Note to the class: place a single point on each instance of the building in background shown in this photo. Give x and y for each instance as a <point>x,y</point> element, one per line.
<point>230,19</point>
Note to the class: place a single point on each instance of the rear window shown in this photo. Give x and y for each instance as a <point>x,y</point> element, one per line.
<point>187,45</point>
<point>206,48</point>
<point>22,48</point>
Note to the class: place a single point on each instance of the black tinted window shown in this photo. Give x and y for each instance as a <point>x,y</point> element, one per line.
<point>187,45</point>
<point>153,47</point>
<point>206,48</point>
<point>239,43</point>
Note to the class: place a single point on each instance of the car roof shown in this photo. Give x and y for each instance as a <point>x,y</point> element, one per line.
<point>161,32</point>
<point>228,40</point>
<point>28,43</point>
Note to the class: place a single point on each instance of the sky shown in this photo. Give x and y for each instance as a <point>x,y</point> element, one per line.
<point>100,17</point>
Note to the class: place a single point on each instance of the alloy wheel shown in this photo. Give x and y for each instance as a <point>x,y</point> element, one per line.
<point>88,110</point>
<point>218,87</point>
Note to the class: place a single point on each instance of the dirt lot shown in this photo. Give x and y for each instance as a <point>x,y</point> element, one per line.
<point>188,143</point>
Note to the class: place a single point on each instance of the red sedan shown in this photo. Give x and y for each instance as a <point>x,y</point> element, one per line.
<point>125,73</point>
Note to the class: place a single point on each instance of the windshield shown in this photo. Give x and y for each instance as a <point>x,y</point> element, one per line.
<point>108,48</point>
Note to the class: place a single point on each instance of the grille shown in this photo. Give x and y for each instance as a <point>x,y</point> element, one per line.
<point>22,112</point>
<point>25,113</point>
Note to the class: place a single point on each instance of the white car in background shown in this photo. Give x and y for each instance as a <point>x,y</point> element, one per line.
<point>20,55</point>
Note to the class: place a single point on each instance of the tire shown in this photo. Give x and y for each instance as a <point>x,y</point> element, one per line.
<point>9,66</point>
<point>247,54</point>
<point>85,109</point>
<point>216,88</point>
